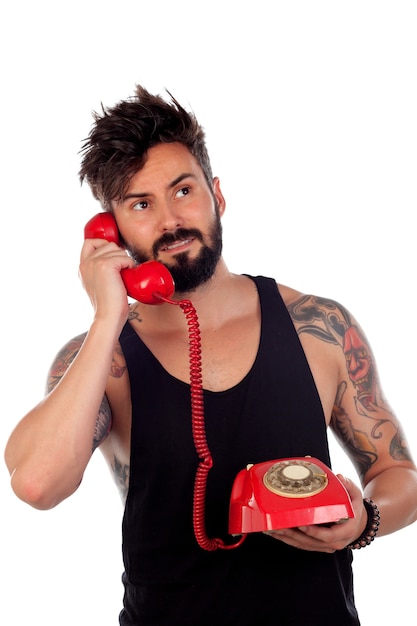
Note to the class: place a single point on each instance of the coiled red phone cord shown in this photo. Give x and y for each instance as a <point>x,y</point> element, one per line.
<point>199,431</point>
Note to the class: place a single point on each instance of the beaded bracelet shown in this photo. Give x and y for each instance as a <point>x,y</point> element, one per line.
<point>372,526</point>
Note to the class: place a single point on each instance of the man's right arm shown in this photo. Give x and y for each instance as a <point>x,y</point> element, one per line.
<point>62,361</point>
<point>51,446</point>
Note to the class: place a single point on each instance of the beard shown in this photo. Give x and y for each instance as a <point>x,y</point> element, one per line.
<point>188,274</point>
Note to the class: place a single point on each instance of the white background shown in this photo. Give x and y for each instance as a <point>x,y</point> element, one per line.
<point>310,113</point>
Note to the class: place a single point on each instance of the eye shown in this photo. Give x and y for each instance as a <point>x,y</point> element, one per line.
<point>184,191</point>
<point>141,205</point>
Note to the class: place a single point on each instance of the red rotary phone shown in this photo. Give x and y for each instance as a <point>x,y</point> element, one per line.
<point>276,494</point>
<point>286,493</point>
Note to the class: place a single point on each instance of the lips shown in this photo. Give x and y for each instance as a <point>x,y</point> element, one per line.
<point>176,244</point>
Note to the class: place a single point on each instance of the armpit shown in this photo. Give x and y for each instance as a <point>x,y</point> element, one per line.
<point>121,476</point>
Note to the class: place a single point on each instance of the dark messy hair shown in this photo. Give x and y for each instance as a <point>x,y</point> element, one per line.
<point>120,137</point>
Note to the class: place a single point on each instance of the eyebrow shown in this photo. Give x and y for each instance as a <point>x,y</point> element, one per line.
<point>172,184</point>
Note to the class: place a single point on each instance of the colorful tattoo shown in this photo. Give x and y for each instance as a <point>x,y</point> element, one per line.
<point>363,452</point>
<point>329,321</point>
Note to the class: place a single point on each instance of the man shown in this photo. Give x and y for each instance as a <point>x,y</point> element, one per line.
<point>278,367</point>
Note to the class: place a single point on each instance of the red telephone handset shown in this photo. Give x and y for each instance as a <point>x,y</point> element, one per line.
<point>150,282</point>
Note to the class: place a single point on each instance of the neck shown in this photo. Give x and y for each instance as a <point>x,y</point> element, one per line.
<point>214,301</point>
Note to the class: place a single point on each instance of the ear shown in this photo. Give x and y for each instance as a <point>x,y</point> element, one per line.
<point>217,192</point>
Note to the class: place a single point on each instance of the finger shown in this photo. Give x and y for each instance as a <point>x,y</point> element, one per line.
<point>91,245</point>
<point>297,539</point>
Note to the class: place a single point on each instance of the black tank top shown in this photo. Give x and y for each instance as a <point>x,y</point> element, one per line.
<point>274,412</point>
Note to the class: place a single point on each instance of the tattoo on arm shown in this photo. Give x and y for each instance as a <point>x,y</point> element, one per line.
<point>329,321</point>
<point>362,452</point>
<point>359,443</point>
<point>398,447</point>
<point>118,366</point>
<point>121,476</point>
<point>323,318</point>
<point>103,423</point>
<point>63,360</point>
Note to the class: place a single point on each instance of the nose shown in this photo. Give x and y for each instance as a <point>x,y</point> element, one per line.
<point>168,217</point>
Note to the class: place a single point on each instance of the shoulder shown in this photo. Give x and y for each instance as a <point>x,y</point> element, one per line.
<point>312,310</point>
<point>322,319</point>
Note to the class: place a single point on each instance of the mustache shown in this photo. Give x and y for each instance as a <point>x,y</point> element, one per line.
<point>181,233</point>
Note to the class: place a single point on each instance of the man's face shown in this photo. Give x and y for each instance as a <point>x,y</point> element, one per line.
<point>170,214</point>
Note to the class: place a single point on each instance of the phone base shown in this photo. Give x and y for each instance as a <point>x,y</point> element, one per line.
<point>286,493</point>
